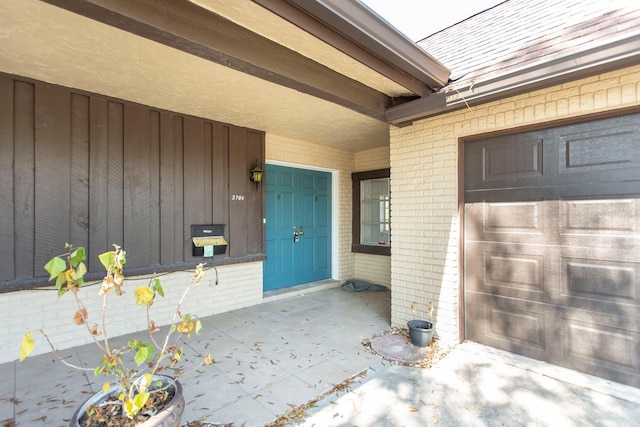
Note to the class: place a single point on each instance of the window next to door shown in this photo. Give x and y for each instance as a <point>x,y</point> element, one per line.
<point>371,222</point>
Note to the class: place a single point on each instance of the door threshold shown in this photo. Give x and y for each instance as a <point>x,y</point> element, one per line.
<point>305,288</point>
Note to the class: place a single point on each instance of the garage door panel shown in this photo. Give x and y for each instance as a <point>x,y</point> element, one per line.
<point>597,152</point>
<point>520,221</point>
<point>599,217</point>
<point>552,245</point>
<point>573,220</point>
<point>507,270</point>
<point>596,221</point>
<point>508,161</point>
<point>600,284</point>
<point>509,324</point>
<point>604,345</point>
<point>498,161</point>
<point>600,279</point>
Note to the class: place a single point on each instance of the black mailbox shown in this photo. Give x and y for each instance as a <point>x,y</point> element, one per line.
<point>208,240</point>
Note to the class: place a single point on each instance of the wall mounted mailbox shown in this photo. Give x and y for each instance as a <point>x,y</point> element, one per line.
<point>208,240</point>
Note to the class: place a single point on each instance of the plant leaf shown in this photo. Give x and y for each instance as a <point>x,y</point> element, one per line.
<point>139,402</point>
<point>146,380</point>
<point>81,270</point>
<point>77,256</point>
<point>55,266</point>
<point>127,407</point>
<point>156,286</point>
<point>106,259</point>
<point>198,326</point>
<point>144,296</point>
<point>27,345</point>
<point>61,281</point>
<point>152,327</point>
<point>143,354</point>
<point>94,331</point>
<point>106,387</point>
<point>186,327</point>
<point>81,316</point>
<point>208,360</point>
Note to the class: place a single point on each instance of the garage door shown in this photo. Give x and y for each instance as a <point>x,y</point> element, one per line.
<point>552,245</point>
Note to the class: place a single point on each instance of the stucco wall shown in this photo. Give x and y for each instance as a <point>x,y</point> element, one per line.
<point>424,185</point>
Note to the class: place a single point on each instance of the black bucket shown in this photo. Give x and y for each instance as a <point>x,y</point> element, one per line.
<point>420,332</point>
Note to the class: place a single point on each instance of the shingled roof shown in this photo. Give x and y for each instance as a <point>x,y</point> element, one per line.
<point>527,44</point>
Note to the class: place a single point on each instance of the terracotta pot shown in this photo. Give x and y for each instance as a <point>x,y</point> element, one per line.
<point>168,417</point>
<point>420,332</point>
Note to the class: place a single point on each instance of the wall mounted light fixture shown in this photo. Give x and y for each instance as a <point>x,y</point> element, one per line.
<point>256,173</point>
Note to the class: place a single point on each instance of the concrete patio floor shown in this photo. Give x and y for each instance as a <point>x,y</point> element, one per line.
<point>284,352</point>
<point>475,385</point>
<point>298,345</point>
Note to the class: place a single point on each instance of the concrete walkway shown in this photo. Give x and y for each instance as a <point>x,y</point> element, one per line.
<point>476,385</point>
<point>298,345</point>
<point>269,357</point>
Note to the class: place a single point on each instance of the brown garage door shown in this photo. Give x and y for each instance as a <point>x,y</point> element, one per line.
<point>552,245</point>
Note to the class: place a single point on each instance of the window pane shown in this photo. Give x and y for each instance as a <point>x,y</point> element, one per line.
<point>375,225</point>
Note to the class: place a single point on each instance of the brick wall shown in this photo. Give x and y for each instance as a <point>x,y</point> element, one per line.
<point>238,286</point>
<point>373,268</point>
<point>424,174</point>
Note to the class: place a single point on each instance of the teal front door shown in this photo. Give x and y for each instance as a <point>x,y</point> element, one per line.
<point>298,228</point>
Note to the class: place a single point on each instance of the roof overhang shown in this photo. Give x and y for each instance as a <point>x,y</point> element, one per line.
<point>383,48</point>
<point>619,53</point>
<point>321,71</point>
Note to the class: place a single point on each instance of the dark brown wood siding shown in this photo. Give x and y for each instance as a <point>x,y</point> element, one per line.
<point>81,168</point>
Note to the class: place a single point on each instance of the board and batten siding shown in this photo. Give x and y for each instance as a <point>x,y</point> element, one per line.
<point>93,171</point>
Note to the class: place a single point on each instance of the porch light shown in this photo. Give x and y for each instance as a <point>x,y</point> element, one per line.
<point>256,173</point>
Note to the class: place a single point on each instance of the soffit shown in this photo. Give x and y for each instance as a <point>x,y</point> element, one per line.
<point>271,26</point>
<point>44,42</point>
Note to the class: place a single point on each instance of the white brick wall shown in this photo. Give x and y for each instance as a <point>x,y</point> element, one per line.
<point>238,286</point>
<point>373,268</point>
<point>424,185</point>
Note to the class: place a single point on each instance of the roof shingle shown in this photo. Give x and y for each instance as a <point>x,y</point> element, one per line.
<point>520,33</point>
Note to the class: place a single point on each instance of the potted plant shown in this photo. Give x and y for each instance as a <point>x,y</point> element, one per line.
<point>139,394</point>
<point>421,331</point>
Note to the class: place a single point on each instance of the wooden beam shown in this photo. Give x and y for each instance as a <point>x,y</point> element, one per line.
<point>185,26</point>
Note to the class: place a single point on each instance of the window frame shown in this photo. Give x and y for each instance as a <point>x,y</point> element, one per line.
<point>356,203</point>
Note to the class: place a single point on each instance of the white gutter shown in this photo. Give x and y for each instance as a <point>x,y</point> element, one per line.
<point>360,24</point>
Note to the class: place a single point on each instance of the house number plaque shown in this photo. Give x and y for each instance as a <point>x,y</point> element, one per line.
<point>237,197</point>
